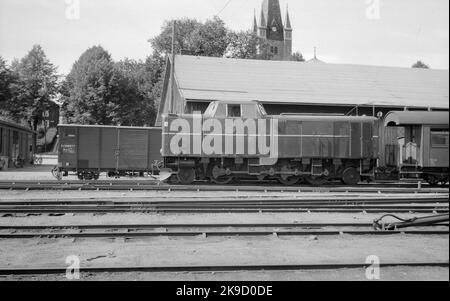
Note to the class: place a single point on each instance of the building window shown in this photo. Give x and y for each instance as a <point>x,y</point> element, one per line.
<point>273,50</point>
<point>439,138</point>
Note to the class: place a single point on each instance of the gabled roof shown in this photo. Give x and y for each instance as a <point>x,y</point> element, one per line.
<point>285,82</point>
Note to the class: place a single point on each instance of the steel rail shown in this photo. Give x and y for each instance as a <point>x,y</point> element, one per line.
<point>245,183</point>
<point>172,226</point>
<point>231,201</point>
<point>217,233</point>
<point>17,185</point>
<point>279,205</point>
<point>214,268</point>
<point>28,210</point>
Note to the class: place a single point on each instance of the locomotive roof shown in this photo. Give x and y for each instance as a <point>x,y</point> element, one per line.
<point>327,118</point>
<point>281,82</point>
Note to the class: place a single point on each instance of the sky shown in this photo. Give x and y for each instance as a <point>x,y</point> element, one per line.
<point>369,32</point>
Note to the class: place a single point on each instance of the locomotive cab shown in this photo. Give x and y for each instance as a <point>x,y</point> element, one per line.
<point>235,109</point>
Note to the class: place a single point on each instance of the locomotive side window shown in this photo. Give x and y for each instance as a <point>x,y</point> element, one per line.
<point>439,138</point>
<point>234,111</point>
<point>211,108</point>
<point>262,111</point>
<point>250,111</point>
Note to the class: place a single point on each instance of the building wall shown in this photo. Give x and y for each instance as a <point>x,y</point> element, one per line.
<point>15,142</point>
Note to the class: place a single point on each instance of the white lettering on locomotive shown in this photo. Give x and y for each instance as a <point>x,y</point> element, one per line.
<point>223,136</point>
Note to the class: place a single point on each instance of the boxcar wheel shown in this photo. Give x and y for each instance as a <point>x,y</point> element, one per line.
<point>432,180</point>
<point>351,176</point>
<point>186,176</point>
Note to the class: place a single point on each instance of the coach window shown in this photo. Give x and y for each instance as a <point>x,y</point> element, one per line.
<point>234,111</point>
<point>439,138</point>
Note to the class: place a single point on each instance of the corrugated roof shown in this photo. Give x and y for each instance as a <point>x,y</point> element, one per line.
<point>416,117</point>
<point>206,78</point>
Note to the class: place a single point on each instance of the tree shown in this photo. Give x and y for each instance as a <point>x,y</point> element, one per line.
<point>134,98</point>
<point>247,45</point>
<point>7,78</point>
<point>101,91</point>
<point>208,39</point>
<point>88,89</point>
<point>297,57</point>
<point>162,44</point>
<point>420,64</point>
<point>36,82</point>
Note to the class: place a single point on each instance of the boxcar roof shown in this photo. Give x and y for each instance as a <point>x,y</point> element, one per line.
<point>279,82</point>
<point>415,118</point>
<point>106,126</point>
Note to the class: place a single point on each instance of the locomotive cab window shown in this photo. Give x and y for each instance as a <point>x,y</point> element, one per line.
<point>251,111</point>
<point>234,111</point>
<point>439,138</point>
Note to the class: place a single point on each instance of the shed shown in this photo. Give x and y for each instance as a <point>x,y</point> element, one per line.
<point>296,87</point>
<point>15,141</point>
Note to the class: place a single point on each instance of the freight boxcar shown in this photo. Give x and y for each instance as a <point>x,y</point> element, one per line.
<point>117,151</point>
<point>235,140</point>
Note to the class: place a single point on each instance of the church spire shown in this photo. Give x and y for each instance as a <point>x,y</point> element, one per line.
<point>255,23</point>
<point>288,20</point>
<point>262,22</point>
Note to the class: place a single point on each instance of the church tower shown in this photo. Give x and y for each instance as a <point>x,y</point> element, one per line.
<point>272,29</point>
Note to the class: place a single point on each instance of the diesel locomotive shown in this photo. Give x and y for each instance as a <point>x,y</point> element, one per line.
<point>235,140</point>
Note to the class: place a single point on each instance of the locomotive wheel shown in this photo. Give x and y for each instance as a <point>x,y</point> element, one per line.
<point>217,176</point>
<point>186,176</point>
<point>287,179</point>
<point>316,180</point>
<point>351,176</point>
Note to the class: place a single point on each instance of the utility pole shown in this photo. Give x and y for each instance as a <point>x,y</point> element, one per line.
<point>172,69</point>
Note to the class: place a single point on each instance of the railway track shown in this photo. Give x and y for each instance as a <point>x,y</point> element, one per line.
<point>207,230</point>
<point>21,271</point>
<point>345,204</point>
<point>254,208</point>
<point>122,185</point>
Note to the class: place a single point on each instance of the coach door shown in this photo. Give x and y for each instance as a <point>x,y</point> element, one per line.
<point>355,143</point>
<point>68,147</point>
<point>367,140</point>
